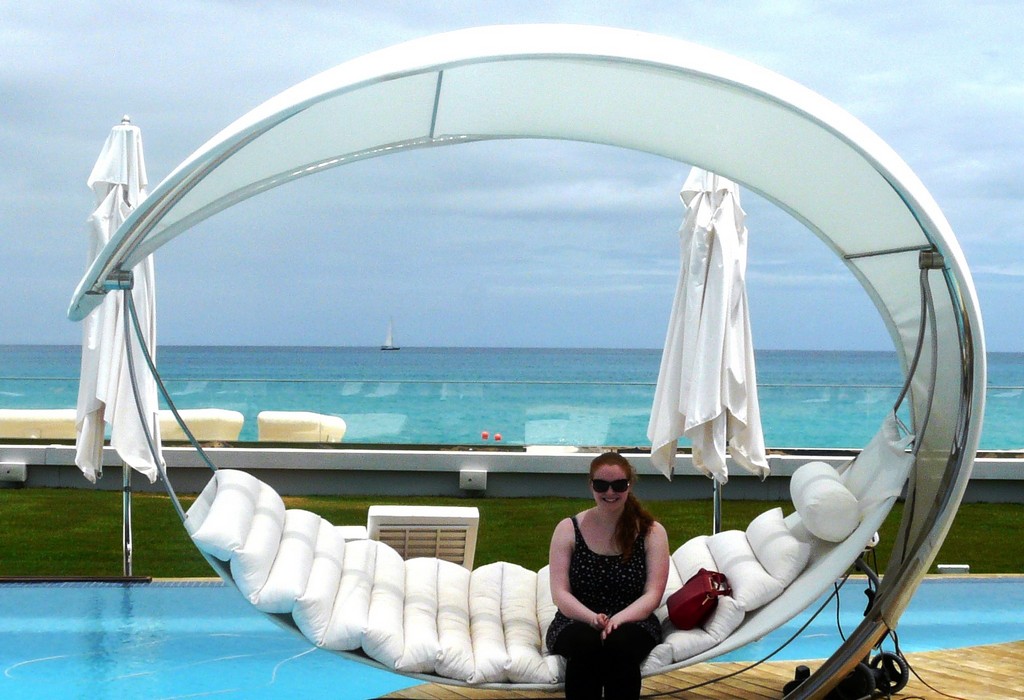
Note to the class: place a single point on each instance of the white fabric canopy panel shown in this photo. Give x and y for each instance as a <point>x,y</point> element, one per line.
<point>665,97</point>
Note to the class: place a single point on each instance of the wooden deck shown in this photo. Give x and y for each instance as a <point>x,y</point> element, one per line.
<point>975,673</point>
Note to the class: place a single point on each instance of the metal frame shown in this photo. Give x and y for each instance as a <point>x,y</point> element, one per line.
<point>946,452</point>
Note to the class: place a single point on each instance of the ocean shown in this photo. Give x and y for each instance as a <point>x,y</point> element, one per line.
<point>453,396</point>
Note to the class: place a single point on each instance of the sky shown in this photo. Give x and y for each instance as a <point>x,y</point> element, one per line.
<point>521,244</point>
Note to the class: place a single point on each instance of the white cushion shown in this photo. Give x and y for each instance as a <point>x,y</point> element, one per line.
<point>679,645</point>
<point>250,565</point>
<point>384,638</point>
<point>352,532</point>
<point>546,607</point>
<point>197,513</point>
<point>422,646</point>
<point>205,424</point>
<point>556,664</point>
<point>658,659</point>
<point>38,423</point>
<point>674,581</point>
<point>220,519</point>
<point>752,586</point>
<point>290,571</point>
<point>352,606</point>
<point>692,556</point>
<point>313,609</point>
<point>672,584</point>
<point>522,629</point>
<point>453,629</point>
<point>724,620</point>
<point>779,552</point>
<point>491,656</point>
<point>827,508</point>
<point>299,426</point>
<point>874,475</point>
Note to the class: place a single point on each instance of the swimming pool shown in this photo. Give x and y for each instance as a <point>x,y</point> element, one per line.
<point>199,640</point>
<point>945,613</point>
<point>163,641</point>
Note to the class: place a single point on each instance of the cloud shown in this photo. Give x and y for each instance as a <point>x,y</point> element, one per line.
<point>1012,269</point>
<point>524,220</point>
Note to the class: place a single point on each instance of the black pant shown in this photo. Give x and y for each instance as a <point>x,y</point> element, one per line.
<point>612,664</point>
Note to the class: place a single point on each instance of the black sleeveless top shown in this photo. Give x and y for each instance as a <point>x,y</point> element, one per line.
<point>605,583</point>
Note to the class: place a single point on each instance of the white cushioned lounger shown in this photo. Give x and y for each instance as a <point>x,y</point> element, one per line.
<point>870,485</point>
<point>38,423</point>
<point>206,424</point>
<point>299,426</point>
<point>436,620</point>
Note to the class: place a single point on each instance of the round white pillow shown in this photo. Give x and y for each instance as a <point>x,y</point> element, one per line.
<point>827,508</point>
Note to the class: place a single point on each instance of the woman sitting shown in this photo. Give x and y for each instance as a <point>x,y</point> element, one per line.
<point>609,566</point>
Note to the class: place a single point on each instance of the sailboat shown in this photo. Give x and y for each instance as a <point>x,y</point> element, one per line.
<point>389,341</point>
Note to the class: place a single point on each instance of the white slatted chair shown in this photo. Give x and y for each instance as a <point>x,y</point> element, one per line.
<point>444,532</point>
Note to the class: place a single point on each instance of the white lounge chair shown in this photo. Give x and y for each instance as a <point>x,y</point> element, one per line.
<point>206,424</point>
<point>430,618</point>
<point>38,423</point>
<point>444,532</point>
<point>299,426</point>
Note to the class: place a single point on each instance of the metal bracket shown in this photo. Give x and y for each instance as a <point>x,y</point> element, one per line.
<point>930,259</point>
<point>119,280</point>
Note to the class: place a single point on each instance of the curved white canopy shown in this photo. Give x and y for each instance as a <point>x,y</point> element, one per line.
<point>653,94</point>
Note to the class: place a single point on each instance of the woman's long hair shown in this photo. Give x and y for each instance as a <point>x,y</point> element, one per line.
<point>635,521</point>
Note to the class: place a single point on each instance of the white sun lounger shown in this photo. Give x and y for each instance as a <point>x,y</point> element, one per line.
<point>206,424</point>
<point>431,618</point>
<point>299,426</point>
<point>38,423</point>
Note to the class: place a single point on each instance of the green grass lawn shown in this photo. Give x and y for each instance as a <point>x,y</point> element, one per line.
<point>77,532</point>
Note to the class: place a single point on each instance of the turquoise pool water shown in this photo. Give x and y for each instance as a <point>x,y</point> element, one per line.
<point>159,641</point>
<point>945,613</point>
<point>179,640</point>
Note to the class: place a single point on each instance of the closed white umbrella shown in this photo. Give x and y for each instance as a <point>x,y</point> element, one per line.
<point>105,394</point>
<point>707,385</point>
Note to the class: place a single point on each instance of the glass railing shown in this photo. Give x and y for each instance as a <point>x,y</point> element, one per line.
<point>531,413</point>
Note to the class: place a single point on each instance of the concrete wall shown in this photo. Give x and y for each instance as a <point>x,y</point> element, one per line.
<point>508,472</point>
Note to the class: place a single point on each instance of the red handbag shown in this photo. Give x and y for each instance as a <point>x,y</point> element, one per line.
<point>692,604</point>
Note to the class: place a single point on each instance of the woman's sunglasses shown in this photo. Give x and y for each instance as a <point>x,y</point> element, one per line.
<point>601,486</point>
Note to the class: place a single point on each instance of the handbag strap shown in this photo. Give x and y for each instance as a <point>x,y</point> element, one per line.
<point>719,583</point>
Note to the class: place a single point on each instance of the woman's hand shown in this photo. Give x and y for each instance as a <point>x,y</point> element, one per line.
<point>610,625</point>
<point>600,622</point>
<point>656,545</point>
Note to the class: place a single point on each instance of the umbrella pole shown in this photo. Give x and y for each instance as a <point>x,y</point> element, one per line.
<point>716,517</point>
<point>126,522</point>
